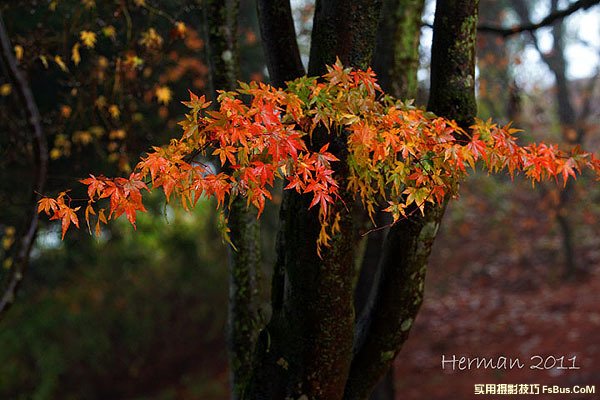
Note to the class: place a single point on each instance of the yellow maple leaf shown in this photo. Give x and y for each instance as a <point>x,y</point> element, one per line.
<point>55,153</point>
<point>75,56</point>
<point>5,89</point>
<point>163,94</point>
<point>117,134</point>
<point>151,39</point>
<point>140,3</point>
<point>59,61</point>
<point>100,102</point>
<point>44,61</point>
<point>82,137</point>
<point>114,111</point>
<point>180,29</point>
<point>88,38</point>
<point>109,31</point>
<point>19,52</point>
<point>89,4</point>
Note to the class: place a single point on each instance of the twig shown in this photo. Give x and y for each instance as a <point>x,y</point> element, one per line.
<point>530,26</point>
<point>548,20</point>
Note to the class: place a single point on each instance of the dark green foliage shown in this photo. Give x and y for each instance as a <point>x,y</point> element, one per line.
<point>130,307</point>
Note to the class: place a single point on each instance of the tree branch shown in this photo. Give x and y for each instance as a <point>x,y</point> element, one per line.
<point>396,61</point>
<point>25,242</point>
<point>546,21</point>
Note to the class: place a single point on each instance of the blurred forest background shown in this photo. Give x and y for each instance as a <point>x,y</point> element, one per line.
<point>141,315</point>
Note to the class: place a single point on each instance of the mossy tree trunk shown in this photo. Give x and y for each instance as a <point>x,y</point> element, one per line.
<point>221,27</point>
<point>396,62</point>
<point>314,347</point>
<point>384,325</point>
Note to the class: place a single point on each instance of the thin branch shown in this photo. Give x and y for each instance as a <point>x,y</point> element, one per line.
<point>548,20</point>
<point>40,149</point>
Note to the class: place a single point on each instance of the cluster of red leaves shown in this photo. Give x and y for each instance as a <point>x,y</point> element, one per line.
<point>396,153</point>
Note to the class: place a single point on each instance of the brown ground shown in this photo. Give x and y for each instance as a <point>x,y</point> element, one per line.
<point>499,291</point>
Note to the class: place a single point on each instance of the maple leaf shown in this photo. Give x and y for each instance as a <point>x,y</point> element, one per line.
<point>226,153</point>
<point>163,94</point>
<point>59,61</point>
<point>109,31</point>
<point>66,215</point>
<point>75,55</point>
<point>19,52</point>
<point>395,151</point>
<point>114,111</point>
<point>47,204</point>
<point>95,186</point>
<point>88,38</point>
<point>567,168</point>
<point>129,208</point>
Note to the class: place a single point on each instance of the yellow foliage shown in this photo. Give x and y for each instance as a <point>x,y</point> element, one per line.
<point>55,153</point>
<point>180,29</point>
<point>5,89</point>
<point>9,237</point>
<point>59,61</point>
<point>82,137</point>
<point>19,52</point>
<point>44,61</point>
<point>114,111</point>
<point>117,134</point>
<point>89,4</point>
<point>75,56</point>
<point>88,38</point>
<point>109,31</point>
<point>133,61</point>
<point>96,130</point>
<point>100,102</point>
<point>163,94</point>
<point>151,39</point>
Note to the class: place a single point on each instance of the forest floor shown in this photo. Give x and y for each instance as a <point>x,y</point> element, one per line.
<point>496,288</point>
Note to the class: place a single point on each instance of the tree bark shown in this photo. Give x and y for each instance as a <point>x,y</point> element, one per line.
<point>279,41</point>
<point>244,257</point>
<point>384,326</point>
<point>306,348</point>
<point>396,59</point>
<point>396,62</point>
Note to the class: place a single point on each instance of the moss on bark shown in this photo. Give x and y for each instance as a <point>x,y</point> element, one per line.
<point>220,17</point>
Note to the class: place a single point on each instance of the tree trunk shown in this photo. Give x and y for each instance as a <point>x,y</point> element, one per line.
<point>306,348</point>
<point>311,347</point>
<point>244,257</point>
<point>396,62</point>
